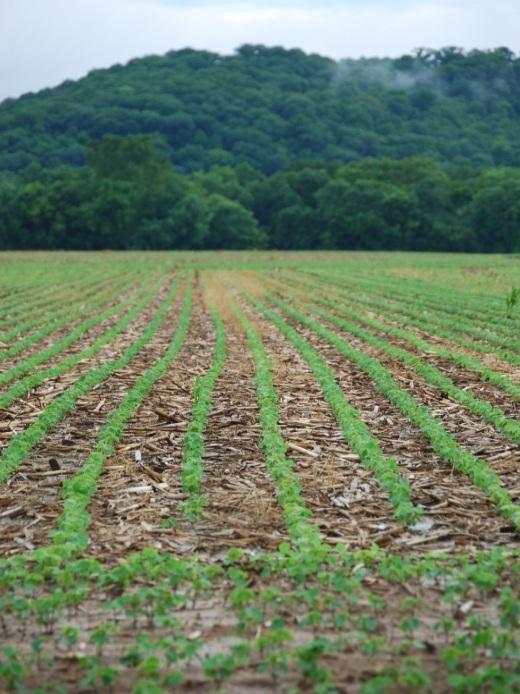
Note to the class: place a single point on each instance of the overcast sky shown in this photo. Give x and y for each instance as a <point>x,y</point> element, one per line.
<point>43,42</point>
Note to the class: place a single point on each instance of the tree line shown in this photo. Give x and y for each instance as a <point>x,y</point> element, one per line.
<point>129,196</point>
<point>268,107</point>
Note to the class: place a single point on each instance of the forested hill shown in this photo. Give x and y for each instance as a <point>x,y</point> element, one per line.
<point>268,107</point>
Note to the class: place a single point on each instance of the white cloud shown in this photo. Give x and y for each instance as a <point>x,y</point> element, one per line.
<point>43,42</point>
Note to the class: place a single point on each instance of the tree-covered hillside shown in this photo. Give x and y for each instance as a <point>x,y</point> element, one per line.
<point>268,107</point>
<point>269,148</point>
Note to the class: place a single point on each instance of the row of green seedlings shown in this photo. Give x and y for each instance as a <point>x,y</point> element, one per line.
<point>459,358</point>
<point>21,338</point>
<point>382,307</point>
<point>449,328</point>
<point>409,293</point>
<point>483,310</point>
<point>498,379</point>
<point>414,308</point>
<point>272,600</point>
<point>442,442</point>
<point>44,293</point>
<point>13,292</point>
<point>72,530</point>
<point>24,385</point>
<point>62,319</point>
<point>478,309</point>
<point>41,317</point>
<point>354,430</point>
<point>192,470</point>
<point>53,310</point>
<point>287,484</point>
<point>22,443</point>
<point>29,364</point>
<point>48,291</point>
<point>509,427</point>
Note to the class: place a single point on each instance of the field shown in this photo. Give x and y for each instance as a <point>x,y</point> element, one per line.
<point>259,472</point>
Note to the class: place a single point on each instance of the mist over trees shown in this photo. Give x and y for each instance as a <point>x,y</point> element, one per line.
<point>269,148</point>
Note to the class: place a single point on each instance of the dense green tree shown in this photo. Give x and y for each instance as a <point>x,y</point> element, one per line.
<point>232,183</point>
<point>110,213</point>
<point>494,211</point>
<point>135,159</point>
<point>366,214</point>
<point>296,228</point>
<point>181,222</point>
<point>232,226</point>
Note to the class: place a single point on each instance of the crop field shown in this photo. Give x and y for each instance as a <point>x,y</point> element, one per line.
<point>259,472</point>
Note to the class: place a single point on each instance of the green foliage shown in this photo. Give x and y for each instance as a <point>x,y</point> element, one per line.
<point>269,106</point>
<point>494,211</point>
<point>512,299</point>
<point>268,148</point>
<point>231,226</point>
<point>133,158</point>
<point>374,204</point>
